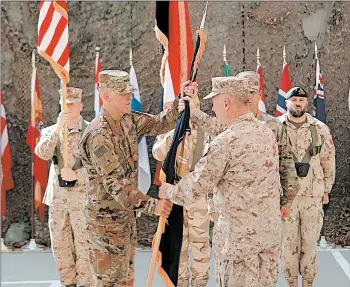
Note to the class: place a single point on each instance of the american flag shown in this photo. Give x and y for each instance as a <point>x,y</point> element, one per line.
<point>6,161</point>
<point>319,99</point>
<point>97,100</point>
<point>53,42</point>
<point>285,86</point>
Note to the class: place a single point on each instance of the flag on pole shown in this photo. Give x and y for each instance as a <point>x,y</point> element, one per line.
<point>262,101</point>
<point>53,42</point>
<point>285,86</point>
<point>319,97</point>
<point>173,30</point>
<point>6,160</point>
<point>144,172</point>
<point>97,99</point>
<point>39,166</point>
<point>227,71</point>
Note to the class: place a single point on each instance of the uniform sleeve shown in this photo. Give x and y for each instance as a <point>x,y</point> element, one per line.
<point>210,201</point>
<point>45,148</point>
<point>151,125</point>
<point>207,174</point>
<point>162,145</point>
<point>108,166</point>
<point>327,158</point>
<point>288,176</point>
<point>211,125</point>
<point>81,176</point>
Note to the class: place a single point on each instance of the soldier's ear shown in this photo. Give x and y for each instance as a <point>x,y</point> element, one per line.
<point>81,106</point>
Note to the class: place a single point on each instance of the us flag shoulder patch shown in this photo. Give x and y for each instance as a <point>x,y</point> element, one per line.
<point>100,151</point>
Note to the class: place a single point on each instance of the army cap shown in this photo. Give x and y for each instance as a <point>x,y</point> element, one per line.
<point>228,85</point>
<point>296,92</point>
<point>253,80</point>
<point>116,80</point>
<point>74,95</point>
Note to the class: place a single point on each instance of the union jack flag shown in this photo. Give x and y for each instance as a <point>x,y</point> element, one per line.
<point>319,98</point>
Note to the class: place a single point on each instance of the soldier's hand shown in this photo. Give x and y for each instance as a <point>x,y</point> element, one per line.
<point>285,211</point>
<point>325,198</point>
<point>190,91</point>
<point>68,174</point>
<point>163,207</point>
<point>61,120</point>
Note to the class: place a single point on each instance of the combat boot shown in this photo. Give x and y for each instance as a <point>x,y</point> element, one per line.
<point>292,282</point>
<point>71,285</point>
<point>308,282</point>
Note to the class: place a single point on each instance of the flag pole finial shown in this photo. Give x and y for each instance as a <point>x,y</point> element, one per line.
<point>204,16</point>
<point>130,57</point>
<point>97,50</point>
<point>258,55</point>
<point>284,54</point>
<point>224,53</point>
<point>316,52</point>
<point>33,59</point>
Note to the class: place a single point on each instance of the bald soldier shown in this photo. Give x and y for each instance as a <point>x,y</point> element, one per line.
<point>242,165</point>
<point>110,156</point>
<point>314,157</point>
<point>65,193</point>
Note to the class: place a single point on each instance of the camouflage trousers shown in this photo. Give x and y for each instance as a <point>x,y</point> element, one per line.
<point>112,253</point>
<point>195,233</point>
<point>300,234</point>
<point>255,270</point>
<point>69,245</point>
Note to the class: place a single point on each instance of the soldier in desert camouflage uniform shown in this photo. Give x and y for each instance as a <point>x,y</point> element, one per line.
<point>314,155</point>
<point>288,176</point>
<point>110,156</point>
<point>196,217</point>
<point>65,193</point>
<point>242,163</point>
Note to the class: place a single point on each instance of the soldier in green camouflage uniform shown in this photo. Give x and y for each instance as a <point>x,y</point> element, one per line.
<point>110,156</point>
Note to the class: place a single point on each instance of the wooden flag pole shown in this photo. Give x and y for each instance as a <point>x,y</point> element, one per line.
<point>156,243</point>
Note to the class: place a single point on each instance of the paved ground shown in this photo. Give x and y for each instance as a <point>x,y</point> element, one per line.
<point>32,269</point>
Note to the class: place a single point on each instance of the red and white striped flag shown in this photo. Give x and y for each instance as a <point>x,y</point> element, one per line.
<point>53,42</point>
<point>97,100</point>
<point>6,161</point>
<point>262,101</point>
<point>39,166</point>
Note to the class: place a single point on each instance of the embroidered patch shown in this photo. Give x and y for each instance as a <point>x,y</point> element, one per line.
<point>100,151</point>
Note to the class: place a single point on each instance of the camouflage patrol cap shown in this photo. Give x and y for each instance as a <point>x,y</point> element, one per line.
<point>228,85</point>
<point>296,92</point>
<point>253,79</point>
<point>118,81</point>
<point>74,95</point>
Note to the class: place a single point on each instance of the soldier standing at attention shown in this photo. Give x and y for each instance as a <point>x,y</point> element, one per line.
<point>314,157</point>
<point>242,165</point>
<point>196,217</point>
<point>110,156</point>
<point>65,193</point>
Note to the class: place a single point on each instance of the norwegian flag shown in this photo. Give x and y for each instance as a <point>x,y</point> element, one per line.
<point>6,161</point>
<point>53,42</point>
<point>97,99</point>
<point>39,166</point>
<point>319,99</point>
<point>285,86</point>
<point>262,101</point>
